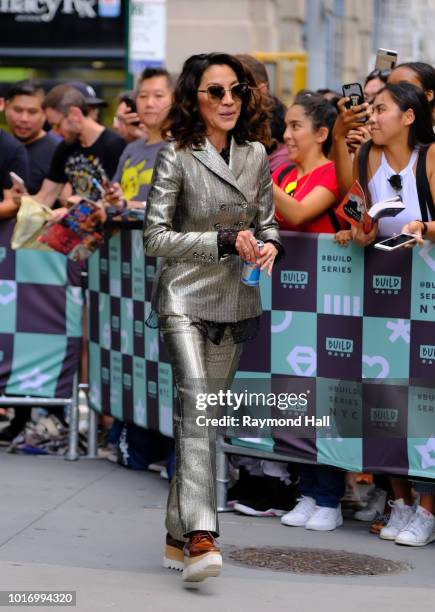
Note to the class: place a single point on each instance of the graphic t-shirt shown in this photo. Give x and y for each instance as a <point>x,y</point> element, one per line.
<point>13,158</point>
<point>82,166</point>
<point>135,169</point>
<point>40,153</point>
<point>299,188</point>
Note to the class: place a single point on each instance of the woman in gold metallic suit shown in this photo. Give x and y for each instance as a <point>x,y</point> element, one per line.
<point>211,199</point>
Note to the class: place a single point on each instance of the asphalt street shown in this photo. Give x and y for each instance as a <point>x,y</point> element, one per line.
<point>96,528</point>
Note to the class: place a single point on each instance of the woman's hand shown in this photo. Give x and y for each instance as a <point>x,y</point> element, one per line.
<point>364,238</point>
<point>343,237</point>
<point>267,259</point>
<point>247,247</point>
<point>415,228</point>
<point>356,137</point>
<point>113,195</point>
<point>56,215</point>
<point>349,118</point>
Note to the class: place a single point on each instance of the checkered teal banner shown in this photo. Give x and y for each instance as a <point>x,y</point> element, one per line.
<point>354,327</point>
<point>40,320</point>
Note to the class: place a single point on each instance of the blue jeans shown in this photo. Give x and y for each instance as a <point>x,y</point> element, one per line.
<point>323,483</point>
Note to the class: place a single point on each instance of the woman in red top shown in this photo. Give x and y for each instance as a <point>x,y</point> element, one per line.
<point>305,193</point>
<point>306,190</point>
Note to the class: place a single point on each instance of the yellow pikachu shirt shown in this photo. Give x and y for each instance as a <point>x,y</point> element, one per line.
<point>135,169</point>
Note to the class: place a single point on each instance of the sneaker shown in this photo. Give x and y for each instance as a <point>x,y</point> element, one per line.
<point>202,558</point>
<point>375,505</point>
<point>352,499</point>
<point>420,529</point>
<point>174,555</point>
<point>246,488</point>
<point>325,519</point>
<point>258,507</point>
<point>300,514</point>
<point>275,500</point>
<point>379,522</point>
<point>399,517</point>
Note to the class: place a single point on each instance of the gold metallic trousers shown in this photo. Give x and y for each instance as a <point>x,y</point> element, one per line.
<point>198,366</point>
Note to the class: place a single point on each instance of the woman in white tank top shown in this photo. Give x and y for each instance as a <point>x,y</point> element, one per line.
<point>401,124</point>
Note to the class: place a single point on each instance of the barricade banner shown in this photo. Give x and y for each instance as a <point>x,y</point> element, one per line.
<point>352,329</point>
<point>40,320</point>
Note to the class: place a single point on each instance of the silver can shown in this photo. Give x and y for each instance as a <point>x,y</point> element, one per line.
<point>251,271</point>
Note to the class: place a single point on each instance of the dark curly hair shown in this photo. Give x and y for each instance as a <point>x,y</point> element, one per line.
<point>185,124</point>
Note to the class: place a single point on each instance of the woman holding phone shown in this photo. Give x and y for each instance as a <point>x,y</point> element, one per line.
<point>402,148</point>
<point>210,200</point>
<point>386,166</point>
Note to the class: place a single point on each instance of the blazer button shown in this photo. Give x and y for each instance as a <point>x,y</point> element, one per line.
<point>195,254</point>
<point>244,205</point>
<point>223,206</point>
<point>218,226</point>
<point>241,224</point>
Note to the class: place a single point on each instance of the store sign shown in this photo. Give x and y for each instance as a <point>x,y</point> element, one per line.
<point>147,38</point>
<point>65,23</point>
<point>46,10</point>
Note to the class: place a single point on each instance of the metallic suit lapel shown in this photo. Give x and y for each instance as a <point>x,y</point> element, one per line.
<point>209,156</point>
<point>238,155</point>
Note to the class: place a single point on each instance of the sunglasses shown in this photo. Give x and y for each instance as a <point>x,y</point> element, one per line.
<point>216,93</point>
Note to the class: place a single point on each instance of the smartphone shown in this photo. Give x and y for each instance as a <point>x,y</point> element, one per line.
<point>354,91</point>
<point>16,179</point>
<point>395,242</point>
<point>131,104</point>
<point>386,59</point>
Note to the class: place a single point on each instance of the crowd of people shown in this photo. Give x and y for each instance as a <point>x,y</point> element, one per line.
<point>210,153</point>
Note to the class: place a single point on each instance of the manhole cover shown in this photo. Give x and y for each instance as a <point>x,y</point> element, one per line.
<point>315,561</point>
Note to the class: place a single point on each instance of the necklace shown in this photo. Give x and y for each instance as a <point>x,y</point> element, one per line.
<point>292,186</point>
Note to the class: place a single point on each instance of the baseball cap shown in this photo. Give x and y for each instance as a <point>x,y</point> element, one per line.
<point>88,92</point>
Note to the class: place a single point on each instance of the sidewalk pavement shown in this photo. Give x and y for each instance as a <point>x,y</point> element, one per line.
<point>97,528</point>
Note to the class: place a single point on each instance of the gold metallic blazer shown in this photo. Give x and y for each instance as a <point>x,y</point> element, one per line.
<point>195,193</point>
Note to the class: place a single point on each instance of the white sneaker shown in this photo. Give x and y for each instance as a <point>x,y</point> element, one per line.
<point>399,517</point>
<point>375,505</point>
<point>420,529</point>
<point>300,514</point>
<point>325,519</point>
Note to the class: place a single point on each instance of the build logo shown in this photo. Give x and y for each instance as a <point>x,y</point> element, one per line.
<point>387,285</point>
<point>138,329</point>
<point>152,388</point>
<point>126,381</point>
<point>339,347</point>
<point>427,353</point>
<point>294,279</point>
<point>384,418</point>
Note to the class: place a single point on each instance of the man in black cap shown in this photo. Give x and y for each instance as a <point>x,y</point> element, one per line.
<point>94,103</point>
